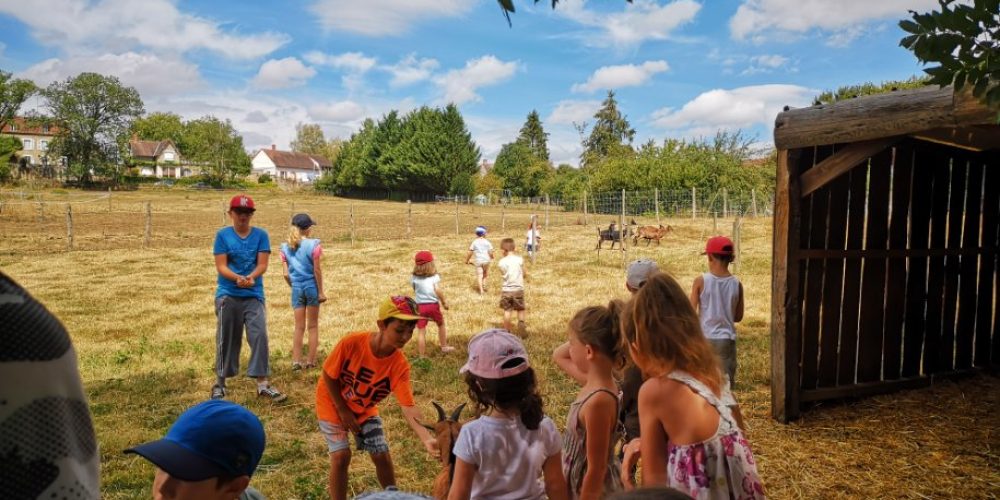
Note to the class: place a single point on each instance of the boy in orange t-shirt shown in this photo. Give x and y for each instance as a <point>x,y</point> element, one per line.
<point>362,370</point>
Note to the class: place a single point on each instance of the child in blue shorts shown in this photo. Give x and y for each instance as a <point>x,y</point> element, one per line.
<point>300,258</point>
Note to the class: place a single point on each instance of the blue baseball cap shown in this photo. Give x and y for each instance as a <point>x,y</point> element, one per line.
<point>480,230</point>
<point>211,439</point>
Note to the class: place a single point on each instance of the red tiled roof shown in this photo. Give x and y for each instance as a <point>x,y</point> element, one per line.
<point>292,159</point>
<point>148,149</point>
<point>22,127</point>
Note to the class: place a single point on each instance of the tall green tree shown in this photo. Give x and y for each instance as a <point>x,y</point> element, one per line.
<point>13,93</point>
<point>534,136</point>
<point>611,132</point>
<point>161,126</point>
<point>353,166</point>
<point>522,172</point>
<point>218,146</point>
<point>95,114</point>
<point>309,139</point>
<point>963,39</point>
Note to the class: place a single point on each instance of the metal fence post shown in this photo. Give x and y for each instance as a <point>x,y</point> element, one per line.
<point>546,210</point>
<point>352,225</point>
<point>409,219</point>
<point>753,201</point>
<point>69,227</point>
<point>149,226</point>
<point>656,203</point>
<point>694,203</point>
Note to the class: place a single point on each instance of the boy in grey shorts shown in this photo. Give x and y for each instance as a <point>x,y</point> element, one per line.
<point>512,292</point>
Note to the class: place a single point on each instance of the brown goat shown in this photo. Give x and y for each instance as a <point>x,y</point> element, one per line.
<point>650,233</point>
<point>446,431</point>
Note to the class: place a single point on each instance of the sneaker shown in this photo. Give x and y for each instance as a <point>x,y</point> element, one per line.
<point>272,393</point>
<point>218,392</point>
<point>447,348</point>
<point>296,366</point>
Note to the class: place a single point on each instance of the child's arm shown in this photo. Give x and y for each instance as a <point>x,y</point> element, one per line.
<point>468,257</point>
<point>652,439</point>
<point>221,260</point>
<point>440,295</point>
<point>561,358</point>
<point>412,415</point>
<point>262,260</point>
<point>318,273</point>
<point>738,313</point>
<point>696,288</point>
<point>461,482</point>
<point>555,482</point>
<point>598,416</point>
<point>284,272</point>
<point>347,418</point>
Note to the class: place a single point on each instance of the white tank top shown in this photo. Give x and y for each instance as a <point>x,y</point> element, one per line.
<point>719,297</point>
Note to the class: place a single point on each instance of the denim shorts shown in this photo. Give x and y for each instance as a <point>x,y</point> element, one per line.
<point>304,296</point>
<point>371,438</point>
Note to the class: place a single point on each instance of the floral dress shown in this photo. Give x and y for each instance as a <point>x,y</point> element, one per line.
<point>574,453</point>
<point>720,467</point>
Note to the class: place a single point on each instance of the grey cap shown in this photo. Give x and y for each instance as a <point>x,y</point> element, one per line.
<point>639,271</point>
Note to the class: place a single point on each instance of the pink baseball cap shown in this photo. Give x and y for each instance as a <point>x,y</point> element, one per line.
<point>491,353</point>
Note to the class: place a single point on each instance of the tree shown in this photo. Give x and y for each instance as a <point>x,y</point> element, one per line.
<point>95,114</point>
<point>13,93</point>
<point>218,147</point>
<point>534,136</point>
<point>309,139</point>
<point>161,127</point>
<point>611,132</point>
<point>869,88</point>
<point>964,40</point>
<point>522,172</point>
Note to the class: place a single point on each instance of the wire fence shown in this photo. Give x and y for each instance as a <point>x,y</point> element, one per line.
<point>53,221</point>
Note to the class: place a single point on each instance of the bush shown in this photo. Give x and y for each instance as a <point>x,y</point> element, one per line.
<point>264,179</point>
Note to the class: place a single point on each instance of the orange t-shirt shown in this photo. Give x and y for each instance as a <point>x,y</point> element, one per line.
<point>364,379</point>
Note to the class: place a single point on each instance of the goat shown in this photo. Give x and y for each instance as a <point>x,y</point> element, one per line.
<point>612,234</point>
<point>446,431</point>
<point>650,233</point>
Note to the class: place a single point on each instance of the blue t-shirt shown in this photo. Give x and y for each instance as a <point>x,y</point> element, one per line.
<point>241,258</point>
<point>300,262</point>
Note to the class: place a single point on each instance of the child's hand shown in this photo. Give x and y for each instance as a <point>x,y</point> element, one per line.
<point>445,307</point>
<point>247,282</point>
<point>348,420</point>
<point>322,297</point>
<point>630,458</point>
<point>241,281</point>
<point>431,445</point>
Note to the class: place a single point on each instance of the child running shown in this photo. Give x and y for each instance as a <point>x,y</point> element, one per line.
<point>592,428</point>
<point>512,292</point>
<point>482,250</point>
<point>362,370</point>
<point>430,300</point>
<point>300,260</point>
<point>686,398</point>
<point>503,453</point>
<point>718,297</point>
<point>532,237</point>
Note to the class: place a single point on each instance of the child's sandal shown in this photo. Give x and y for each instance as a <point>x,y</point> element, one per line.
<point>296,366</point>
<point>447,348</point>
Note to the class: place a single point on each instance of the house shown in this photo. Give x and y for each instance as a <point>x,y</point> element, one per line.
<point>35,139</point>
<point>157,158</point>
<point>484,167</point>
<point>289,165</point>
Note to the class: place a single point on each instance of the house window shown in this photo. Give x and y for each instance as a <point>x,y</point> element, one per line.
<point>43,145</point>
<point>45,129</point>
<point>13,128</point>
<point>168,156</point>
<point>29,144</point>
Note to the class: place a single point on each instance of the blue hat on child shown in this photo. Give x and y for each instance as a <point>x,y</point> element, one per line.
<point>480,230</point>
<point>211,439</point>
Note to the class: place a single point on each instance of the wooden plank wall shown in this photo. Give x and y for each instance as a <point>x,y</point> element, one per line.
<point>896,274</point>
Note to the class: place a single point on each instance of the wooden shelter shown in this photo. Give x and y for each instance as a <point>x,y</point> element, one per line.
<point>885,246</point>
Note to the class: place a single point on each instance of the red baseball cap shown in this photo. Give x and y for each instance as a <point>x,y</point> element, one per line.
<point>423,257</point>
<point>719,245</point>
<point>242,201</point>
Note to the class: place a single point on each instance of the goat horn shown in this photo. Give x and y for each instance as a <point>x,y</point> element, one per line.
<point>457,413</point>
<point>440,410</point>
<point>428,427</point>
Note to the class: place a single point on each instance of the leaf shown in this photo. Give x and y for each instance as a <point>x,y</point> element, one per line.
<point>910,26</point>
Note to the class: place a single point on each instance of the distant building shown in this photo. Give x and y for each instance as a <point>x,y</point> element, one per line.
<point>289,165</point>
<point>484,167</point>
<point>157,158</point>
<point>35,140</point>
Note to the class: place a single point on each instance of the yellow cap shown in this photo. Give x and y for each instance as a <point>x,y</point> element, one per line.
<point>399,307</point>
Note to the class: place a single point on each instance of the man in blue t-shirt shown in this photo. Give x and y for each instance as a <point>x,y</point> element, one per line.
<point>241,256</point>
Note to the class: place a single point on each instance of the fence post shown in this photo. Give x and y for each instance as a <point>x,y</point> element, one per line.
<point>737,225</point>
<point>694,203</point>
<point>503,216</point>
<point>41,209</point>
<point>109,200</point>
<point>224,210</point>
<point>546,210</point>
<point>409,219</point>
<point>753,201</point>
<point>149,226</point>
<point>725,203</point>
<point>534,227</point>
<point>585,207</point>
<point>456,215</point>
<point>352,225</point>
<point>69,227</point>
<point>656,203</point>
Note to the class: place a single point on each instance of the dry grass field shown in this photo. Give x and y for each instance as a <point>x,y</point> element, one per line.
<point>143,324</point>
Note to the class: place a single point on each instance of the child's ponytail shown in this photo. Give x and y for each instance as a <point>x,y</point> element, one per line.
<point>600,328</point>
<point>294,238</point>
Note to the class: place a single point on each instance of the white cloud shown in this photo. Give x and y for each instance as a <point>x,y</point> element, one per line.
<point>765,63</point>
<point>283,73</point>
<point>410,70</point>
<point>150,74</point>
<point>340,112</point>
<point>255,117</point>
<point>641,21</point>
<point>119,25</point>
<point>741,107</point>
<point>383,17</point>
<point>569,112</point>
<point>460,85</point>
<point>349,61</point>
<point>626,75</point>
<point>776,19</point>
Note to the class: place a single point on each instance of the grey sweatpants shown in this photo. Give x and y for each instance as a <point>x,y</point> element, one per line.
<point>233,314</point>
<point>726,350</point>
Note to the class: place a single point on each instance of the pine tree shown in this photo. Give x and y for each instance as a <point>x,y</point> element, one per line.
<point>534,136</point>
<point>611,132</point>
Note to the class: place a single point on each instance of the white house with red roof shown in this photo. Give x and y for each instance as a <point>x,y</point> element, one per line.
<point>158,158</point>
<point>289,165</point>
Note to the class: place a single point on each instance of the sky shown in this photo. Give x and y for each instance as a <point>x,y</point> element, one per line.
<point>679,68</point>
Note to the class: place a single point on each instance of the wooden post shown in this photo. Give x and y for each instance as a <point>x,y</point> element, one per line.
<point>694,203</point>
<point>503,216</point>
<point>109,200</point>
<point>41,209</point>
<point>785,304</point>
<point>456,215</point>
<point>149,226</point>
<point>737,225</point>
<point>753,201</point>
<point>656,203</point>
<point>534,227</point>
<point>224,210</point>
<point>69,227</point>
<point>585,208</point>
<point>546,210</point>
<point>621,229</point>
<point>352,225</point>
<point>725,203</point>
<point>409,219</point>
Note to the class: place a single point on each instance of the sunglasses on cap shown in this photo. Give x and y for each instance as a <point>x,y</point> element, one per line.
<point>404,302</point>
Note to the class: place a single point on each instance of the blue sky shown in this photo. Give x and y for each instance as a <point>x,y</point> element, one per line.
<point>680,68</point>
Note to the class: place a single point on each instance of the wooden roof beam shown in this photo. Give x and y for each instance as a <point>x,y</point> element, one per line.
<point>970,138</point>
<point>842,161</point>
